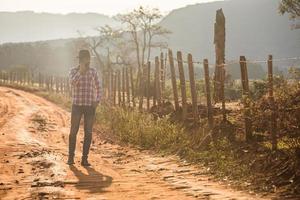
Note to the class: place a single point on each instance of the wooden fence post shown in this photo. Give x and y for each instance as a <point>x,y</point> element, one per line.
<point>1,76</point>
<point>222,92</point>
<point>114,88</point>
<point>56,84</point>
<point>123,86</point>
<point>40,80</point>
<point>162,74</point>
<point>273,127</point>
<point>67,84</point>
<point>182,85</point>
<point>51,83</point>
<point>148,85</point>
<point>142,86</point>
<point>246,96</point>
<point>193,88</point>
<point>173,79</point>
<point>111,79</point>
<point>47,83</point>
<point>132,86</point>
<point>157,81</point>
<point>119,88</point>
<point>127,86</point>
<point>108,85</point>
<point>208,95</point>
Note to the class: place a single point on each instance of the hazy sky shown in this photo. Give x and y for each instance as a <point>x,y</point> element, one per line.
<point>108,7</point>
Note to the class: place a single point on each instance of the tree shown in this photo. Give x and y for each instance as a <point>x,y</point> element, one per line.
<point>290,6</point>
<point>141,24</point>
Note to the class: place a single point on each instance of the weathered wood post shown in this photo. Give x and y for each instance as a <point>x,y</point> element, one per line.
<point>56,84</point>
<point>273,127</point>
<point>246,96</point>
<point>132,87</point>
<point>148,85</point>
<point>40,80</point>
<point>114,88</point>
<point>51,83</point>
<point>109,84</point>
<point>162,74</point>
<point>157,82</point>
<point>61,85</point>
<point>2,77</point>
<point>123,86</point>
<point>182,85</point>
<point>48,83</point>
<point>219,79</point>
<point>119,88</point>
<point>142,86</point>
<point>23,78</point>
<point>173,79</point>
<point>193,88</point>
<point>208,95</point>
<point>68,85</point>
<point>127,87</point>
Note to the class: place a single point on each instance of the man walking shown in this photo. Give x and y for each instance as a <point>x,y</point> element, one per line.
<point>85,87</point>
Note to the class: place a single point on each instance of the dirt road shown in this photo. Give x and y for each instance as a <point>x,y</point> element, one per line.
<point>33,151</point>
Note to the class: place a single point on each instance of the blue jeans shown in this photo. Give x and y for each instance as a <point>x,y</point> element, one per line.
<point>89,115</point>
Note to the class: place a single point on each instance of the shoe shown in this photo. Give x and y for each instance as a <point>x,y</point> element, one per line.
<point>70,161</point>
<point>84,162</point>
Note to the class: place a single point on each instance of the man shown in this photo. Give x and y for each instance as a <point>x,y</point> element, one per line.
<point>85,86</point>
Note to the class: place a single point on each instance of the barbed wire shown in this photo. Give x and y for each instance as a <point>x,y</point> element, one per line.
<point>238,61</point>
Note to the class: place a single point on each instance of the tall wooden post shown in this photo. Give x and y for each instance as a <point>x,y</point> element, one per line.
<point>162,73</point>
<point>1,77</point>
<point>246,96</point>
<point>68,85</point>
<point>51,83</point>
<point>157,81</point>
<point>173,79</point>
<point>193,88</point>
<point>40,79</point>
<point>119,88</point>
<point>182,84</point>
<point>208,95</point>
<point>219,79</point>
<point>114,88</point>
<point>48,83</point>
<point>273,127</point>
<point>111,79</point>
<point>127,86</point>
<point>132,87</point>
<point>143,86</point>
<point>123,86</point>
<point>109,85</point>
<point>148,85</point>
<point>61,85</point>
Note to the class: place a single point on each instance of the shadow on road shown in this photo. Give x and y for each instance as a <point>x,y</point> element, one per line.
<point>93,181</point>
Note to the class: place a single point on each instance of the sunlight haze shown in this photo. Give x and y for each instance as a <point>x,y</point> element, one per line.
<point>111,7</point>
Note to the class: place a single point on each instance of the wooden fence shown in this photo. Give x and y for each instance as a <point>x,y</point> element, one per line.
<point>145,90</point>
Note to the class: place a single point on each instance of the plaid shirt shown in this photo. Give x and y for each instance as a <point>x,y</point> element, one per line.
<point>85,88</point>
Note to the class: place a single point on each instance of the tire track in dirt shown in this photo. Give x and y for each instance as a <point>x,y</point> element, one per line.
<point>32,162</point>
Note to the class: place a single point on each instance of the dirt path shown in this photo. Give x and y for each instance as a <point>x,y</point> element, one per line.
<point>33,151</point>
